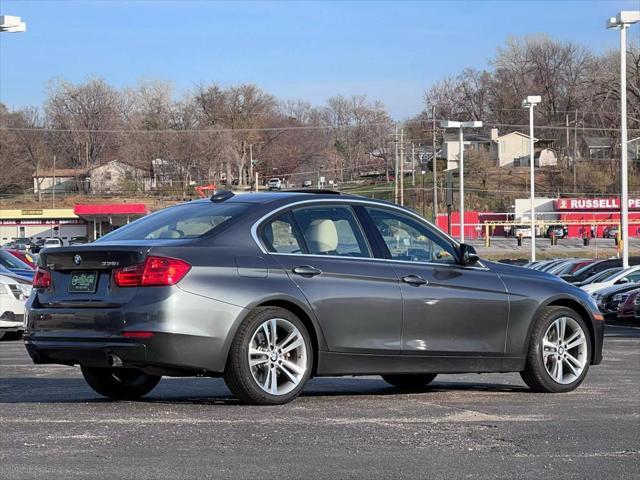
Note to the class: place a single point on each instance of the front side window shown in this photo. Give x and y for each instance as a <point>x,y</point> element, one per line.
<point>331,230</point>
<point>408,240</point>
<point>186,221</point>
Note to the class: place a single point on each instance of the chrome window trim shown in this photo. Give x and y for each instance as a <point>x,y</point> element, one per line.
<point>352,201</point>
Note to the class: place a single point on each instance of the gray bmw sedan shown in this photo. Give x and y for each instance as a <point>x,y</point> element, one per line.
<point>270,289</point>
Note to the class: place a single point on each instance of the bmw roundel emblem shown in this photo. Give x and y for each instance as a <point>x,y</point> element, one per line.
<point>77,259</point>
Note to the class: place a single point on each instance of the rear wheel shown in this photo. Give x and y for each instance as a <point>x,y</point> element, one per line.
<point>559,351</point>
<point>120,383</point>
<point>410,381</point>
<point>270,359</point>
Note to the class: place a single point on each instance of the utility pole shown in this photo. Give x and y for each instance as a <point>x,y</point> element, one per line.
<point>434,163</point>
<point>566,131</point>
<point>250,161</point>
<point>402,167</point>
<point>53,191</point>
<point>395,186</point>
<point>413,165</point>
<point>575,151</point>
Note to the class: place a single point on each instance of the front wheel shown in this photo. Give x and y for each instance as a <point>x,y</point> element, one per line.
<point>410,381</point>
<point>271,357</point>
<point>120,383</point>
<point>559,351</point>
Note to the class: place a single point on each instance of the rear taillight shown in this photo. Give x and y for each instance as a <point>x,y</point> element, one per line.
<point>155,271</point>
<point>42,278</point>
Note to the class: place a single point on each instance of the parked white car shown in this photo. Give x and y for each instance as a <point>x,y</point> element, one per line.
<point>274,184</point>
<point>626,275</point>
<point>52,243</point>
<point>13,295</point>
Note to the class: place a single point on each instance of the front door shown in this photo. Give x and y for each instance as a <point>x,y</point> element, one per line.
<point>356,298</point>
<point>448,309</point>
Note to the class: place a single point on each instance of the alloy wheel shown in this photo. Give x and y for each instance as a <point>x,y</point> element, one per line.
<point>564,350</point>
<point>277,356</point>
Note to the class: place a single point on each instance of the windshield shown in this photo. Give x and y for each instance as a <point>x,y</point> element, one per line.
<point>189,220</point>
<point>603,276</point>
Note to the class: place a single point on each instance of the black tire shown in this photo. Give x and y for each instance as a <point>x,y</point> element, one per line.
<point>535,374</point>
<point>120,383</point>
<point>410,381</point>
<point>237,374</point>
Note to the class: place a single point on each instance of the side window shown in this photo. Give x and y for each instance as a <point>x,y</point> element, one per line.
<point>409,240</point>
<point>331,230</point>
<point>279,235</point>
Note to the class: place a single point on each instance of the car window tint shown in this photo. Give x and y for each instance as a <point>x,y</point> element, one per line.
<point>331,230</point>
<point>189,220</point>
<point>279,235</point>
<point>408,240</point>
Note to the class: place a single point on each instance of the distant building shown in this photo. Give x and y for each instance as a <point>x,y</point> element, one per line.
<point>61,180</point>
<point>116,176</point>
<point>596,147</point>
<point>512,150</point>
<point>472,142</point>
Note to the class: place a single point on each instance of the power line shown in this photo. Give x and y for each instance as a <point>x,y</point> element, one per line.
<point>276,129</point>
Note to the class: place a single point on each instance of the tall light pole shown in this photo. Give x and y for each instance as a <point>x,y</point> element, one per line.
<point>530,102</point>
<point>12,24</point>
<point>460,126</point>
<point>622,21</point>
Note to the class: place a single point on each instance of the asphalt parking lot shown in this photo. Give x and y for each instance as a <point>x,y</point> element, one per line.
<point>467,426</point>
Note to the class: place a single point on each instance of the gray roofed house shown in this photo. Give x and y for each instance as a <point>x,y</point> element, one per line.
<point>597,147</point>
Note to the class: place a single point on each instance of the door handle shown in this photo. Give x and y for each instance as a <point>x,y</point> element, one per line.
<point>306,271</point>
<point>414,280</point>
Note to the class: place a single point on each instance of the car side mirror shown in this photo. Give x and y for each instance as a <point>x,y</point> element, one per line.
<point>622,281</point>
<point>468,255</point>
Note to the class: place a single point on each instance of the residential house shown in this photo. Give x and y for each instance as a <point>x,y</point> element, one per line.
<point>116,176</point>
<point>60,180</point>
<point>472,142</point>
<point>597,147</point>
<point>513,150</point>
<point>633,149</point>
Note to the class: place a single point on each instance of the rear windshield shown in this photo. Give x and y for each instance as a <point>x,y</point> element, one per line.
<point>189,220</point>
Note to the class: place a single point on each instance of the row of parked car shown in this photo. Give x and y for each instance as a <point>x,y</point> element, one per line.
<point>27,244</point>
<point>17,268</point>
<point>616,290</point>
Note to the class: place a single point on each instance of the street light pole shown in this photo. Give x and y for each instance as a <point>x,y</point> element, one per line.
<point>622,21</point>
<point>460,126</point>
<point>12,24</point>
<point>530,102</point>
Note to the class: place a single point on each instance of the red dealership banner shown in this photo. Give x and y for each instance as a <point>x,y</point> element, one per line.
<point>611,203</point>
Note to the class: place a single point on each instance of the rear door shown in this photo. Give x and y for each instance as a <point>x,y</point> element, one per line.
<point>356,298</point>
<point>448,309</point>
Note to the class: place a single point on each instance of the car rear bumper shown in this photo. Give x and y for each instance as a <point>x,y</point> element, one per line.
<point>185,332</point>
<point>163,353</point>
<point>13,324</point>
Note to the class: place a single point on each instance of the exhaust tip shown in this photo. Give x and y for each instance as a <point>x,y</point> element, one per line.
<point>115,360</point>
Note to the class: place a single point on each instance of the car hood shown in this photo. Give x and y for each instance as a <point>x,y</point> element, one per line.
<point>617,288</point>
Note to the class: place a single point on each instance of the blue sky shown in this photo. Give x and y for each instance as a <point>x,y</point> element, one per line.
<point>390,51</point>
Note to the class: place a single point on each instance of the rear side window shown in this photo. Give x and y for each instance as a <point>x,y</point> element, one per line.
<point>279,235</point>
<point>189,220</point>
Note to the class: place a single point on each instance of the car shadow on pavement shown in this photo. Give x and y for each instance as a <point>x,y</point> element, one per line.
<point>198,391</point>
<point>622,329</point>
